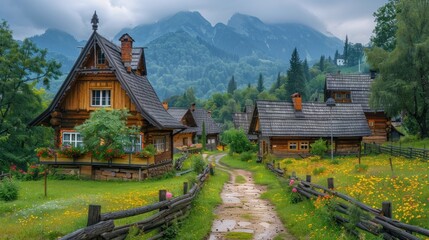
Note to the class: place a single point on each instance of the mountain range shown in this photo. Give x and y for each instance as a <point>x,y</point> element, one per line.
<point>185,50</point>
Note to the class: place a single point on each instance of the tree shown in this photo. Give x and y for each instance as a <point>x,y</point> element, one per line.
<point>295,74</point>
<point>346,50</point>
<point>237,140</point>
<point>336,56</point>
<point>106,134</point>
<point>260,83</point>
<point>322,63</point>
<point>186,99</point>
<point>403,82</point>
<point>232,85</point>
<point>203,136</point>
<point>386,26</point>
<point>22,66</point>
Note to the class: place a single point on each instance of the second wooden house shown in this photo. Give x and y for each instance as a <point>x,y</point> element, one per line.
<point>285,128</point>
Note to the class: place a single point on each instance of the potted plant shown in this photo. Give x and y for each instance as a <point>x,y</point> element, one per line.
<point>72,152</point>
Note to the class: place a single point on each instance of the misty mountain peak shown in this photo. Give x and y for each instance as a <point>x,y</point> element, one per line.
<point>242,23</point>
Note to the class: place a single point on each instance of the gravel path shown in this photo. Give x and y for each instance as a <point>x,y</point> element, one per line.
<point>243,210</point>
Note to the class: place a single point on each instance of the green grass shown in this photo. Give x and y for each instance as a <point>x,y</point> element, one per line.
<point>238,235</point>
<point>198,224</point>
<point>410,141</point>
<point>33,216</point>
<point>240,179</point>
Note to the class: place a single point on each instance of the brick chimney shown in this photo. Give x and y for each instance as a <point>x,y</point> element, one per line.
<point>126,50</point>
<point>297,101</point>
<point>209,113</point>
<point>193,107</point>
<point>165,105</point>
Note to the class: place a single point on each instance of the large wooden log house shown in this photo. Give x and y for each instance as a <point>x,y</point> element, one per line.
<point>108,76</point>
<point>356,88</point>
<point>285,128</point>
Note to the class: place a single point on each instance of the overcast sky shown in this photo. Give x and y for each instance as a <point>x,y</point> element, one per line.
<point>339,17</point>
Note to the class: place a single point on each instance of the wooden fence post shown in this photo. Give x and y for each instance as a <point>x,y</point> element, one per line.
<point>162,197</point>
<point>391,164</point>
<point>185,188</point>
<point>94,212</point>
<point>331,183</point>
<point>386,209</point>
<point>411,152</point>
<point>360,152</point>
<point>308,178</point>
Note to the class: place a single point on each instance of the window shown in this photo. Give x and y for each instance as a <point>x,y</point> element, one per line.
<point>303,145</point>
<point>72,139</point>
<point>160,144</point>
<point>293,145</point>
<point>135,144</point>
<point>371,123</point>
<point>101,59</point>
<point>100,98</point>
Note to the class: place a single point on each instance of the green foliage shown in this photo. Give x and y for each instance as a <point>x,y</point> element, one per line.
<point>319,147</point>
<point>405,68</point>
<point>170,230</point>
<point>319,170</point>
<point>45,152</point>
<point>197,163</point>
<point>134,233</point>
<point>356,215</point>
<point>106,133</point>
<point>386,26</point>
<point>237,140</point>
<point>8,190</point>
<point>361,168</point>
<point>22,66</point>
<point>246,156</point>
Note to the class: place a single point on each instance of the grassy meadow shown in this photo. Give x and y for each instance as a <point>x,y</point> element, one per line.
<point>371,182</point>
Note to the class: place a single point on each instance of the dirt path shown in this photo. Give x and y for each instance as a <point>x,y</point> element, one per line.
<point>243,210</point>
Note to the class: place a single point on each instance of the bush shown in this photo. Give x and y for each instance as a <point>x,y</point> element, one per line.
<point>148,151</point>
<point>72,152</point>
<point>318,171</point>
<point>198,163</point>
<point>237,141</point>
<point>8,190</point>
<point>318,147</point>
<point>246,156</point>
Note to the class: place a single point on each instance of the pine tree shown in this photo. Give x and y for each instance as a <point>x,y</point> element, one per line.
<point>336,56</point>
<point>260,83</point>
<point>232,85</point>
<point>295,73</point>
<point>346,50</point>
<point>306,70</point>
<point>322,63</point>
<point>278,81</point>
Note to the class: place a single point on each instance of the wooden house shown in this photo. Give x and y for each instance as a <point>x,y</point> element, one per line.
<point>183,138</point>
<point>285,128</point>
<point>212,128</point>
<point>107,76</point>
<point>356,88</point>
<point>242,121</point>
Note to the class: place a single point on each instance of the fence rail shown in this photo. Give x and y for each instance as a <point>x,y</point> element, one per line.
<point>102,226</point>
<point>4,175</point>
<point>381,223</point>
<point>407,152</point>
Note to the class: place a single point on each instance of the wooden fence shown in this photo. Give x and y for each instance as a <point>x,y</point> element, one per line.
<point>407,152</point>
<point>101,225</point>
<point>4,175</point>
<point>380,223</point>
<point>178,164</point>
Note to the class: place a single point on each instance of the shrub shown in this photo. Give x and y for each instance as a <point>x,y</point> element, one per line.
<point>198,163</point>
<point>318,147</point>
<point>72,152</point>
<point>237,141</point>
<point>246,156</point>
<point>148,151</point>
<point>361,167</point>
<point>318,171</point>
<point>45,152</point>
<point>8,190</point>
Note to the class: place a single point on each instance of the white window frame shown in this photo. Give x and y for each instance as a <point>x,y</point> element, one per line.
<point>160,143</point>
<point>75,139</point>
<point>135,146</point>
<point>104,99</point>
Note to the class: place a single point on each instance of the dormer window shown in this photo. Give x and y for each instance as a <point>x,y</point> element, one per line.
<point>100,98</point>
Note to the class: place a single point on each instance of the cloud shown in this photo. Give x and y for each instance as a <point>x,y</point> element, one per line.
<point>340,17</point>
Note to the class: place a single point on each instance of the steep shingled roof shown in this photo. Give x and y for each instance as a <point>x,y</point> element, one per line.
<point>137,87</point>
<point>200,116</point>
<point>242,120</point>
<point>359,86</point>
<point>278,118</point>
<point>179,114</point>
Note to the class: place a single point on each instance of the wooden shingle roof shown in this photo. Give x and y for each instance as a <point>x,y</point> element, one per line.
<point>181,113</point>
<point>278,118</point>
<point>137,87</point>
<point>200,116</point>
<point>359,86</point>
